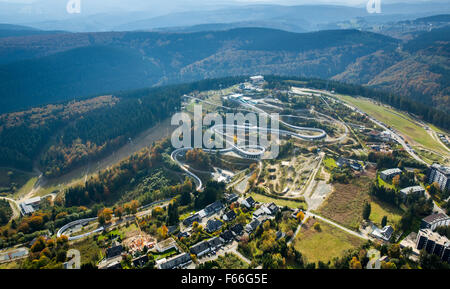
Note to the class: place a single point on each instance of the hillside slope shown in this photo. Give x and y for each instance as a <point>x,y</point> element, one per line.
<point>41,69</point>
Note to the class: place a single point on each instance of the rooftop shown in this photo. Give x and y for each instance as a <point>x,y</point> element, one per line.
<point>435,217</point>
<point>413,189</point>
<point>392,171</point>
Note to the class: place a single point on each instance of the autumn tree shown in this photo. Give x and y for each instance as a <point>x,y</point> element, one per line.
<point>355,264</point>
<point>104,216</point>
<point>396,181</point>
<point>300,216</point>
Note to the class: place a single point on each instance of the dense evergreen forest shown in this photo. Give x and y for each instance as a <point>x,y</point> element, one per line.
<point>89,129</point>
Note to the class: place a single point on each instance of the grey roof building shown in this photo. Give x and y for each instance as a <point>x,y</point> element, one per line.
<point>435,220</point>
<point>440,175</point>
<point>176,262</point>
<point>387,175</point>
<point>433,243</point>
<point>250,227</point>
<point>412,190</point>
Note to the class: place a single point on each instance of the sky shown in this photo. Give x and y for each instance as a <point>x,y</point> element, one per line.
<point>12,10</point>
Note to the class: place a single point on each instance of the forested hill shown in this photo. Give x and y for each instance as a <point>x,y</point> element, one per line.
<point>61,137</point>
<point>40,69</point>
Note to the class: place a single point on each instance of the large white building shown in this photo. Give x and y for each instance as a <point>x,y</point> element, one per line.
<point>433,243</point>
<point>440,175</point>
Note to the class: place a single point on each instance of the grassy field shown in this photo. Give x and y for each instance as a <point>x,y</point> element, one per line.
<point>326,244</point>
<point>265,199</point>
<point>231,261</point>
<point>345,204</point>
<point>380,209</point>
<point>25,189</point>
<point>329,163</point>
<point>403,123</point>
<point>11,179</point>
<point>89,250</point>
<point>385,184</point>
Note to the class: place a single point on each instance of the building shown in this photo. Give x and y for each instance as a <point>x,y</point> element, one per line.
<point>237,229</point>
<point>440,175</point>
<point>213,226</point>
<point>227,236</point>
<point>166,245</point>
<point>114,251</point>
<point>191,219</point>
<point>213,208</point>
<point>433,243</point>
<point>387,175</point>
<point>249,202</point>
<point>229,216</point>
<point>250,227</point>
<point>207,246</point>
<point>178,261</point>
<point>140,261</point>
<point>435,220</point>
<point>257,79</point>
<point>215,243</point>
<point>200,249</point>
<point>384,234</point>
<point>412,190</point>
<point>28,207</point>
<point>230,198</point>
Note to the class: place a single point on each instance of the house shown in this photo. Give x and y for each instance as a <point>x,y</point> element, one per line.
<point>114,251</point>
<point>114,265</point>
<point>213,226</point>
<point>166,245</point>
<point>433,243</point>
<point>213,208</point>
<point>229,216</point>
<point>178,261</point>
<point>384,234</point>
<point>29,206</point>
<point>250,227</point>
<point>191,219</point>
<point>230,198</point>
<point>279,235</point>
<point>341,162</point>
<point>387,175</point>
<point>207,246</point>
<point>200,249</point>
<point>272,209</point>
<point>435,220</point>
<point>227,236</point>
<point>440,175</point>
<point>266,209</point>
<point>215,243</point>
<point>249,202</point>
<point>140,261</point>
<point>183,235</point>
<point>412,190</point>
<point>237,229</point>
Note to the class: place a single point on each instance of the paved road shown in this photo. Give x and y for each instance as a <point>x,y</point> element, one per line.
<point>356,234</point>
<point>14,207</point>
<point>74,259</point>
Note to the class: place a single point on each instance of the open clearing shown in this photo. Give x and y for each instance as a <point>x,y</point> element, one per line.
<point>326,244</point>
<point>345,204</point>
<point>380,209</point>
<point>403,123</point>
<point>265,199</point>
